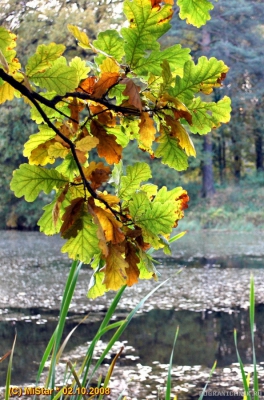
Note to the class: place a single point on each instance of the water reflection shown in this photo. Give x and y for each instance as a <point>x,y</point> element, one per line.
<point>203,338</point>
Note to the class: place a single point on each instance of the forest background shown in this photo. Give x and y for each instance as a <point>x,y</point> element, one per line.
<point>226,179</point>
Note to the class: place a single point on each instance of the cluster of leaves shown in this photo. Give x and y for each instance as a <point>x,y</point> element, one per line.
<point>133,91</point>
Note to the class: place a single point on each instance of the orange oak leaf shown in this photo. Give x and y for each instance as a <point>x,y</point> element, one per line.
<point>75,108</point>
<point>56,208</point>
<point>107,80</point>
<point>107,147</point>
<point>132,91</point>
<point>110,225</point>
<point>82,157</point>
<point>156,3</point>
<point>72,222</point>
<point>115,269</point>
<point>147,130</point>
<point>105,116</point>
<point>87,85</point>
<point>97,173</point>
<point>132,259</point>
<point>100,233</point>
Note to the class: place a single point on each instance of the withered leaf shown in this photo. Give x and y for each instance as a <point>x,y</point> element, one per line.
<point>107,147</point>
<point>72,222</point>
<point>107,80</point>
<point>132,259</point>
<point>132,91</point>
<point>110,225</point>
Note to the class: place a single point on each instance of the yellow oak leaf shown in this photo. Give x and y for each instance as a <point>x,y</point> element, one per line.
<point>115,269</point>
<point>178,131</point>
<point>58,150</point>
<point>7,92</point>
<point>87,143</point>
<point>109,65</point>
<point>110,225</point>
<point>147,131</point>
<point>41,156</point>
<point>110,199</point>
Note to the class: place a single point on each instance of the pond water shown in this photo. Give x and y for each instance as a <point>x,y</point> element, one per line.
<point>206,295</point>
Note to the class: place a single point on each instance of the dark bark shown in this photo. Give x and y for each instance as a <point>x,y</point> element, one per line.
<point>221,153</point>
<point>237,159</point>
<point>258,149</point>
<point>208,188</point>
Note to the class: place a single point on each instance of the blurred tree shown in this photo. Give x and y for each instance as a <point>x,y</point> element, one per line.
<point>234,34</point>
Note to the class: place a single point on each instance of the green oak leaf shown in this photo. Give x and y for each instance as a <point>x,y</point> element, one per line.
<point>45,134</point>
<point>30,180</point>
<point>147,25</point>
<point>5,38</point>
<point>46,223</point>
<point>60,78</point>
<point>86,244</point>
<point>206,116</point>
<point>170,153</point>
<point>96,286</point>
<point>111,43</point>
<point>121,137</point>
<point>176,56</point>
<point>44,58</point>
<point>68,167</point>
<point>203,77</point>
<point>136,174</point>
<point>50,112</point>
<point>196,12</point>
<point>81,68</point>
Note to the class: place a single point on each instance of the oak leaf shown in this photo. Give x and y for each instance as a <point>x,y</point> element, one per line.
<point>132,259</point>
<point>115,269</point>
<point>71,219</point>
<point>147,131</point>
<point>132,91</point>
<point>110,225</point>
<point>107,80</point>
<point>87,86</point>
<point>107,147</point>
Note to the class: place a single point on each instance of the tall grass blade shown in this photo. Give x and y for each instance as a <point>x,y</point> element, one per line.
<point>9,370</point>
<point>252,328</point>
<point>207,383</point>
<point>66,300</point>
<point>110,371</point>
<point>244,378</point>
<point>121,329</point>
<point>168,389</point>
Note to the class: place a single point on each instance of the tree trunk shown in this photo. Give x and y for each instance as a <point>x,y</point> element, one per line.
<point>221,153</point>
<point>237,159</point>
<point>208,188</point>
<point>259,152</point>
